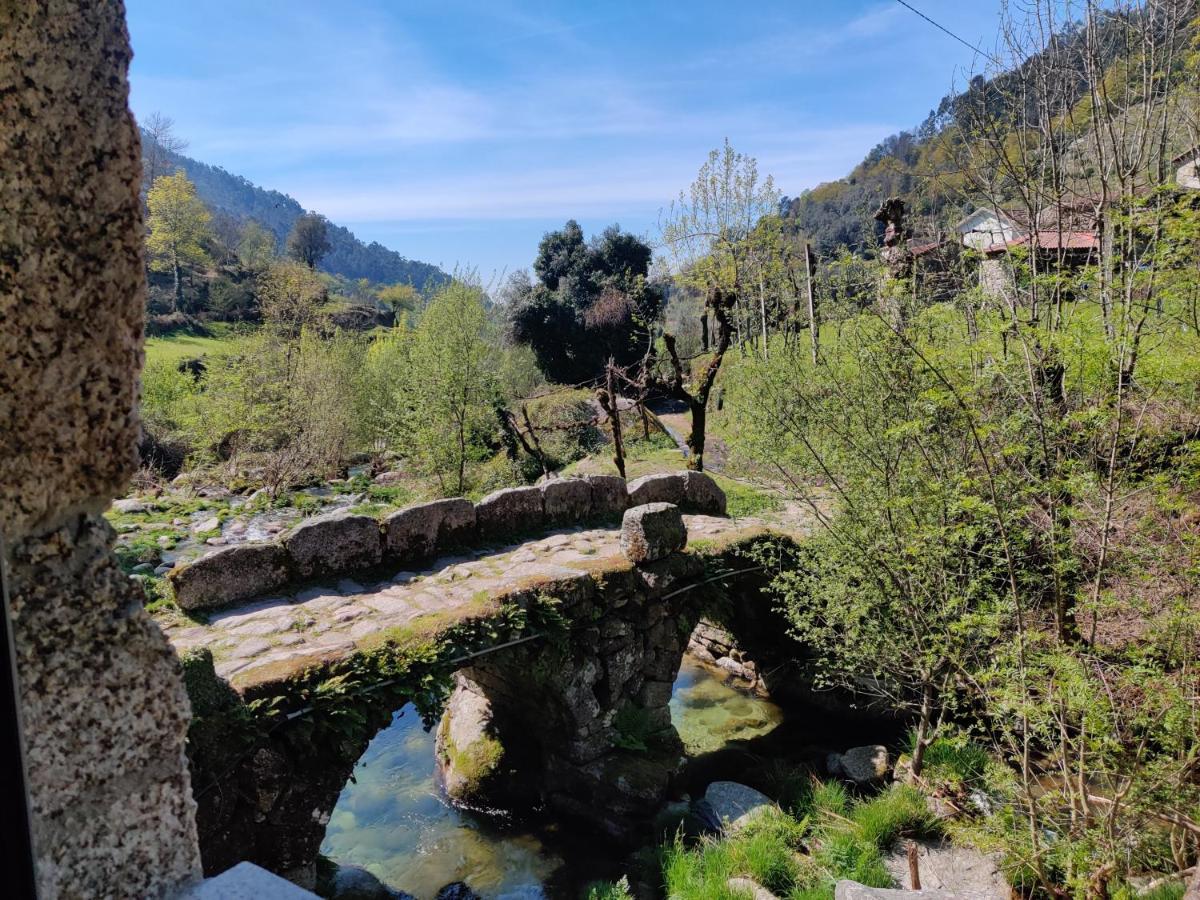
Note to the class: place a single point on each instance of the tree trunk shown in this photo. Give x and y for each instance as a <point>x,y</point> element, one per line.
<point>923,737</point>
<point>762,312</point>
<point>536,449</point>
<point>608,402</point>
<point>695,440</point>
<point>462,455</point>
<point>698,402</point>
<point>178,301</point>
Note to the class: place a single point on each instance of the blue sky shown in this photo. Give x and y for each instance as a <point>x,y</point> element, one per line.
<point>458,133</point>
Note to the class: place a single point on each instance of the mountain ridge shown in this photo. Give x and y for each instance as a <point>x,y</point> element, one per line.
<point>242,200</point>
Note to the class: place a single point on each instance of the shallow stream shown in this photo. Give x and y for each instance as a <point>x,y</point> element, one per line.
<point>391,820</point>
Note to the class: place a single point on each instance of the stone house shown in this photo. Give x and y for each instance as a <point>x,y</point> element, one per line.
<point>1064,237</point>
<point>986,226</point>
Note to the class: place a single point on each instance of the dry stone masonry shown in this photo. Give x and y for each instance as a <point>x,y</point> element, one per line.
<point>417,532</point>
<point>718,647</point>
<point>541,721</point>
<point>102,698</point>
<point>652,532</point>
<point>345,544</point>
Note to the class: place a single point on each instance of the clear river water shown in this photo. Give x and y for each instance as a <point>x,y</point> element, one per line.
<point>392,821</point>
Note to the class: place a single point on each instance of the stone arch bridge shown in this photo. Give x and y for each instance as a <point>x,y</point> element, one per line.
<point>557,653</point>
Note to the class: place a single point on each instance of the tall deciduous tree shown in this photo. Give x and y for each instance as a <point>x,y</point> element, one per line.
<point>309,240</point>
<point>291,296</point>
<point>451,385</point>
<point>706,234</point>
<point>399,297</point>
<point>179,226</point>
<point>256,247</point>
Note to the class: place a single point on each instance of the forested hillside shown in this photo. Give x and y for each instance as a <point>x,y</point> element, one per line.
<point>946,166</point>
<point>241,200</point>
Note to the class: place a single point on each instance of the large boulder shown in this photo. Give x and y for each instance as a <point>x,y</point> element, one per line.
<point>356,883</point>
<point>510,512</point>
<point>652,532</point>
<point>420,531</point>
<point>459,890</point>
<point>666,487</point>
<point>468,753</point>
<point>736,805</point>
<point>567,501</point>
<point>229,574</point>
<point>334,544</point>
<point>610,496</point>
<point>701,494</point>
<point>748,887</point>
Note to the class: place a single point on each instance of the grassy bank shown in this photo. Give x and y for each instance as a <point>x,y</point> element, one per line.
<point>222,340</point>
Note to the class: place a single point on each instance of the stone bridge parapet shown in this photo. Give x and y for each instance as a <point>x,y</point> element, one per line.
<point>347,544</point>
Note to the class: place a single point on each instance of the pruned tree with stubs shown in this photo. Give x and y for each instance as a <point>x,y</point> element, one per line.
<point>705,234</point>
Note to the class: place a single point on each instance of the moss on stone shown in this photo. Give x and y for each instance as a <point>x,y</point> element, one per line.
<point>472,765</point>
<point>207,692</point>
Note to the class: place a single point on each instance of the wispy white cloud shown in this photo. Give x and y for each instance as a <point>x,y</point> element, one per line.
<point>505,110</point>
<point>600,187</point>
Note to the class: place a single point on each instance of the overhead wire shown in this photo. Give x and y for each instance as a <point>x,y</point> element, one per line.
<point>945,30</point>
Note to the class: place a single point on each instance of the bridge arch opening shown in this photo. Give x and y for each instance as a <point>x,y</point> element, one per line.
<point>568,715</point>
<point>510,833</point>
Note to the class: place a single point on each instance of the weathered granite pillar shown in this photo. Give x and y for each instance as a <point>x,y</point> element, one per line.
<point>104,709</point>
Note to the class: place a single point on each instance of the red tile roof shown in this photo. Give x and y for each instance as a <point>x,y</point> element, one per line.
<point>1052,240</point>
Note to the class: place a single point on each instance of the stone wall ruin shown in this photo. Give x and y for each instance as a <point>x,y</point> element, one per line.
<point>103,705</point>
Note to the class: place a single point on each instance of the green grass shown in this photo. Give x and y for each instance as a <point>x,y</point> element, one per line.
<point>955,761</point>
<point>827,836</point>
<point>764,851</point>
<point>183,345</point>
<point>899,810</point>
<point>745,500</point>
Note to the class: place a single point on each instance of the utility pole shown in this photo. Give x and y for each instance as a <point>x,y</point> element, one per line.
<point>813,327</point>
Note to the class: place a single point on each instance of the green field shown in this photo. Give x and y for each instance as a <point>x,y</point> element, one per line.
<point>184,345</point>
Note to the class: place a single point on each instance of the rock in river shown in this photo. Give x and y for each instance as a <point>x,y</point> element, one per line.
<point>735,804</point>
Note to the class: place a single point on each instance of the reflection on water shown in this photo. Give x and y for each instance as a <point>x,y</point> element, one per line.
<point>391,821</point>
<point>708,713</point>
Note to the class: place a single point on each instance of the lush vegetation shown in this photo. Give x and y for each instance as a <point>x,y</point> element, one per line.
<point>592,303</point>
<point>1004,478</point>
<point>1004,475</point>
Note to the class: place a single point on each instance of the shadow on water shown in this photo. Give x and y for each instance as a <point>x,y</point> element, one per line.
<point>392,820</point>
